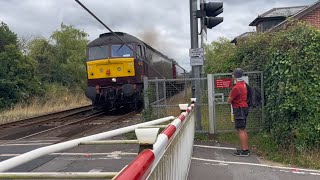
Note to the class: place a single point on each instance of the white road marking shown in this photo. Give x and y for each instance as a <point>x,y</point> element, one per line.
<point>112,154</point>
<point>8,155</point>
<point>316,174</point>
<point>95,170</point>
<point>28,144</point>
<point>36,141</point>
<point>215,147</point>
<point>284,171</point>
<point>95,154</point>
<point>254,164</point>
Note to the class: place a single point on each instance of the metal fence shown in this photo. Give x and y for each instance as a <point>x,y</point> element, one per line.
<point>162,97</point>
<point>220,110</point>
<point>171,154</point>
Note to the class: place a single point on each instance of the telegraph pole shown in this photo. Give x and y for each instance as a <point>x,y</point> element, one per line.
<point>196,70</point>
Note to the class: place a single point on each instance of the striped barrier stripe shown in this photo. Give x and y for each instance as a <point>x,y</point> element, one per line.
<point>140,167</point>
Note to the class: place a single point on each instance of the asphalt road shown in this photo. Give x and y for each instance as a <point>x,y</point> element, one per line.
<point>214,161</point>
<point>84,158</point>
<point>210,161</point>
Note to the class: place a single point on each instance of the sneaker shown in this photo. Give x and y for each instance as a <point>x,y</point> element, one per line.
<point>242,153</point>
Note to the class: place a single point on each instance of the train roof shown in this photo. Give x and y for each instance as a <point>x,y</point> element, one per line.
<point>110,38</point>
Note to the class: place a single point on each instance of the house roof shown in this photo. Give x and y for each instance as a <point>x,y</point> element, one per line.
<point>243,35</point>
<point>298,15</point>
<point>277,13</point>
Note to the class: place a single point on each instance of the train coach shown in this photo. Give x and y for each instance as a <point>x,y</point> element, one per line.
<point>115,73</point>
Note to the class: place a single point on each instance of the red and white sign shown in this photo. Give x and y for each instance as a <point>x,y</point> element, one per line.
<point>224,83</point>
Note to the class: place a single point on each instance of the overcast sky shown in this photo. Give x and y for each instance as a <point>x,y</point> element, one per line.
<point>164,24</point>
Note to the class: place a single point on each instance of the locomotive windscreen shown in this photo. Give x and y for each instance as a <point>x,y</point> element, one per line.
<point>121,50</point>
<point>99,52</point>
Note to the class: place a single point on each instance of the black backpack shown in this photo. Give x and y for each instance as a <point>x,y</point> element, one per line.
<point>253,96</point>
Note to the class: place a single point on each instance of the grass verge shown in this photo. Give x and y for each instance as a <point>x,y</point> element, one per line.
<point>57,98</point>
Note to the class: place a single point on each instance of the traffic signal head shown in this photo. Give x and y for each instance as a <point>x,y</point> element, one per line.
<point>213,9</point>
<point>208,12</point>
<point>211,22</point>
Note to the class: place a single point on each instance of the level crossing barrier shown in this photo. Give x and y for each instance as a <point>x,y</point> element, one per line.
<point>169,158</point>
<point>171,154</point>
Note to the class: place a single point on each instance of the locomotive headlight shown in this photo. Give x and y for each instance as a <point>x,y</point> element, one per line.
<point>114,80</point>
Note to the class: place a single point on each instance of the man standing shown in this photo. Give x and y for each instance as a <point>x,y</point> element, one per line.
<point>238,100</point>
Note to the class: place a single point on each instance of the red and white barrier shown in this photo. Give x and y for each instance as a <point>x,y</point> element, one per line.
<point>178,134</point>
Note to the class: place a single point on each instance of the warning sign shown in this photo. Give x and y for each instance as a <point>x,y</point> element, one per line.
<point>224,83</point>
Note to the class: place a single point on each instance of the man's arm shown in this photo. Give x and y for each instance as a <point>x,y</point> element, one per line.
<point>232,95</point>
<point>230,99</point>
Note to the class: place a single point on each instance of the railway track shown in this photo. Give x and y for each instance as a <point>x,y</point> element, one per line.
<point>29,126</point>
<point>47,117</point>
<point>63,126</point>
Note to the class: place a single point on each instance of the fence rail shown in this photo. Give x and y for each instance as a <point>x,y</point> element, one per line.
<point>171,154</point>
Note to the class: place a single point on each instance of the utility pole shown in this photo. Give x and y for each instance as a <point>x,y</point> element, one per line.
<point>196,70</point>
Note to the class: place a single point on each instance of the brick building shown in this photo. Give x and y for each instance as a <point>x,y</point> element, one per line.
<point>277,18</point>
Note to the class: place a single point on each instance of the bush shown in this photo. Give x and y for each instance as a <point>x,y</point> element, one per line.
<point>293,87</point>
<point>220,56</point>
<point>290,60</point>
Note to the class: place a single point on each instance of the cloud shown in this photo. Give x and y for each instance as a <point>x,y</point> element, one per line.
<point>168,20</point>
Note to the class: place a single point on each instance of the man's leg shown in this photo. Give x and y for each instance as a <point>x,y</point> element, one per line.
<point>243,139</point>
<point>243,136</point>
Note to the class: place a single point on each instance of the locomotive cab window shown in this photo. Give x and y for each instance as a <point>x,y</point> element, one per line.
<point>99,52</point>
<point>139,50</point>
<point>121,50</point>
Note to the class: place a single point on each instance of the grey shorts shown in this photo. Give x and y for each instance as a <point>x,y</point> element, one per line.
<point>240,117</point>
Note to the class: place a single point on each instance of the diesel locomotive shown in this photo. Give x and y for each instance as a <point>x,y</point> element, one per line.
<point>115,73</point>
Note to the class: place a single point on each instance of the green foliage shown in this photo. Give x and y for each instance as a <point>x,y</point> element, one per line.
<point>290,60</point>
<point>220,56</point>
<point>58,61</point>
<point>251,54</point>
<point>17,72</point>
<point>61,59</point>
<point>293,87</point>
<point>6,37</point>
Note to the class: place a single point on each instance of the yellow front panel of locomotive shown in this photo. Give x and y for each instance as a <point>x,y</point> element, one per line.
<point>110,68</point>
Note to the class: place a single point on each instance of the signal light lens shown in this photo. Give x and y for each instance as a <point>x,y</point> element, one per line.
<point>108,72</point>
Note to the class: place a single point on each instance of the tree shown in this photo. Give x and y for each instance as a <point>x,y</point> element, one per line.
<point>6,36</point>
<point>220,56</point>
<point>61,58</point>
<point>17,72</point>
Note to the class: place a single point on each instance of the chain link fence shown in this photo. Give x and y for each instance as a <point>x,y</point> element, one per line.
<point>163,96</point>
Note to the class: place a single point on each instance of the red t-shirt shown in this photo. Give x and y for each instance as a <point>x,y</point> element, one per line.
<point>239,95</point>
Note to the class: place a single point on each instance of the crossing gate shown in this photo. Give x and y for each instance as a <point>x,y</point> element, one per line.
<point>162,96</point>
<point>219,87</point>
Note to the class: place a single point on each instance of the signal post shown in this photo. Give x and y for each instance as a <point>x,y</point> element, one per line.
<point>207,14</point>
